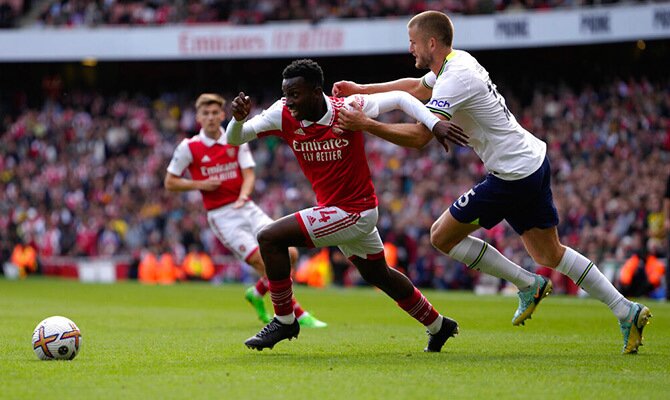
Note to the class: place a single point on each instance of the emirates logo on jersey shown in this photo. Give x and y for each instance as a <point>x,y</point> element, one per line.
<point>311,220</point>
<point>320,151</point>
<point>230,152</point>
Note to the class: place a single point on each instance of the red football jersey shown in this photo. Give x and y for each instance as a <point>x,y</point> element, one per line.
<point>336,165</point>
<point>219,161</point>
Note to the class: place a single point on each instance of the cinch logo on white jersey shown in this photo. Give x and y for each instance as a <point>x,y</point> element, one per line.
<point>206,159</point>
<point>330,144</point>
<point>439,103</point>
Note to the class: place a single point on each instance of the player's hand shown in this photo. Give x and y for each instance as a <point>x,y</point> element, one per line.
<point>210,184</point>
<point>240,201</point>
<point>445,131</point>
<point>351,118</point>
<point>346,88</point>
<point>241,107</point>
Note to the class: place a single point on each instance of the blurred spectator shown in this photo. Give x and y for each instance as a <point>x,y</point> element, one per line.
<point>642,272</point>
<point>167,269</point>
<point>340,266</point>
<point>197,264</point>
<point>73,13</point>
<point>666,210</point>
<point>24,258</point>
<point>9,12</point>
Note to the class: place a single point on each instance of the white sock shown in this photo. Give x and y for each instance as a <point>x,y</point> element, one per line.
<point>477,254</point>
<point>286,319</point>
<point>586,275</point>
<point>256,293</point>
<point>435,326</point>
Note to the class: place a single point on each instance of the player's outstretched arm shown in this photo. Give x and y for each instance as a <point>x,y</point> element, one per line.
<point>412,86</point>
<point>405,135</point>
<point>236,134</point>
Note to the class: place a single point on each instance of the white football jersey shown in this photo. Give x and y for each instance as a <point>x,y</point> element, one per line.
<point>464,93</point>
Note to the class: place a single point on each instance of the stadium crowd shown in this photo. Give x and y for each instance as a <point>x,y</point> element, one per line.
<point>74,13</point>
<point>83,174</point>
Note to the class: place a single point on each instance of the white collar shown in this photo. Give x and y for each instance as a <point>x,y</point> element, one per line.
<point>327,118</point>
<point>209,142</point>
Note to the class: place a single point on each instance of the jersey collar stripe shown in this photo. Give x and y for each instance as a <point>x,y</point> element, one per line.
<point>438,111</point>
<point>446,59</point>
<point>444,64</point>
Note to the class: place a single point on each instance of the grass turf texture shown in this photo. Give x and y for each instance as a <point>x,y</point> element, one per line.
<point>185,341</point>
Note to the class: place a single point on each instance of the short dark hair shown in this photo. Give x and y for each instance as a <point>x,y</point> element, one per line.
<point>309,70</point>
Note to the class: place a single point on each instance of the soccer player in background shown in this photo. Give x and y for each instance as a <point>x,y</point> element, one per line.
<point>224,174</point>
<point>335,163</point>
<point>516,189</point>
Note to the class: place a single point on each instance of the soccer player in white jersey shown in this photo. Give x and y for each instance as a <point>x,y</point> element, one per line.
<point>224,174</point>
<point>517,187</point>
<point>335,163</point>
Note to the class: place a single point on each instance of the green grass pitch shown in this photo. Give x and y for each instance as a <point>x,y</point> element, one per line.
<point>185,342</point>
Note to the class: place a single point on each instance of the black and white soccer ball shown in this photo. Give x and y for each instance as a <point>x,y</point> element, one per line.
<point>56,338</point>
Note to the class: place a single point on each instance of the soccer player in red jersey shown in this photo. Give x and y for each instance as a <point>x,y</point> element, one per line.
<point>224,174</point>
<point>335,163</point>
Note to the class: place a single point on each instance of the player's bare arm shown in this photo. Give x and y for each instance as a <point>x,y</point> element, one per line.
<point>248,180</point>
<point>412,86</point>
<point>176,183</point>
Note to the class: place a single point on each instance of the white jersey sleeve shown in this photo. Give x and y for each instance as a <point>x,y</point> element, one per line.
<point>452,92</point>
<point>242,132</point>
<point>244,157</point>
<point>429,80</point>
<point>380,103</point>
<point>181,159</point>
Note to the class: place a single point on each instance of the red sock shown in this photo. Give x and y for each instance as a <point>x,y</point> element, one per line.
<point>262,286</point>
<point>281,293</point>
<point>297,309</point>
<point>419,308</point>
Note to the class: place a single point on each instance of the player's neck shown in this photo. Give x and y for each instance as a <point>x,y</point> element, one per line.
<point>213,135</point>
<point>318,112</point>
<point>438,61</point>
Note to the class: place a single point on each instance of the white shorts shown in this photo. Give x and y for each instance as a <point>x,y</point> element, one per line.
<point>237,228</point>
<point>354,233</point>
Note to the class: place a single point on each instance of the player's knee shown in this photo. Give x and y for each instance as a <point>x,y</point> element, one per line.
<point>372,274</point>
<point>267,237</point>
<point>439,239</point>
<point>550,257</point>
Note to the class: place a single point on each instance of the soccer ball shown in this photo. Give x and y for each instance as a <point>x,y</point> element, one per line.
<point>56,338</point>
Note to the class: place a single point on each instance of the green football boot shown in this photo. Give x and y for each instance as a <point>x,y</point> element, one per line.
<point>530,298</point>
<point>307,320</point>
<point>632,326</point>
<point>258,305</point>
